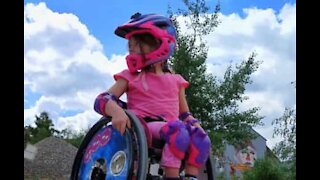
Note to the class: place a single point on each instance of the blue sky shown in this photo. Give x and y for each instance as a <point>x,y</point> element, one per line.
<point>71,53</point>
<point>101,17</point>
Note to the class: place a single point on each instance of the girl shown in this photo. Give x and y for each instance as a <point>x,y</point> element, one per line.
<point>153,92</point>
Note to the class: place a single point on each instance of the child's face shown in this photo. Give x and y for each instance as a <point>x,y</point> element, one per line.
<point>141,44</point>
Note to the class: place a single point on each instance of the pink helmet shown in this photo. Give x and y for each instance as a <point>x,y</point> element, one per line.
<point>158,26</point>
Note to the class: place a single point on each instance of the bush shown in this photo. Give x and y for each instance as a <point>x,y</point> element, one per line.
<point>265,169</point>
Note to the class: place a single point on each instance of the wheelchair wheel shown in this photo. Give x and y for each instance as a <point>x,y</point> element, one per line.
<point>210,167</point>
<point>106,154</point>
<point>206,172</point>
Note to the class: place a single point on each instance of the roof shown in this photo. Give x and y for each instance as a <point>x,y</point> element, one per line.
<point>259,134</point>
<point>270,154</point>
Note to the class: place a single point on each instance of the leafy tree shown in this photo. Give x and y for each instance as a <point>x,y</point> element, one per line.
<point>285,127</point>
<point>213,101</point>
<point>73,137</point>
<point>44,128</point>
<point>265,169</point>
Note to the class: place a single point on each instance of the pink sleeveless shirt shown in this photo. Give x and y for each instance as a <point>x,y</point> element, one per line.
<point>149,94</point>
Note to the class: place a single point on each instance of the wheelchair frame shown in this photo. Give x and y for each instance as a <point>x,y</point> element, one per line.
<point>138,165</point>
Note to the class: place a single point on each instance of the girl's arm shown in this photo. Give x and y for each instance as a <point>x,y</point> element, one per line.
<point>184,108</point>
<point>119,118</point>
<point>183,104</point>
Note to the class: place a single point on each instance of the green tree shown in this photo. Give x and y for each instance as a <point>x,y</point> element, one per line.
<point>215,102</point>
<point>265,169</point>
<point>73,137</point>
<point>285,127</point>
<point>44,128</point>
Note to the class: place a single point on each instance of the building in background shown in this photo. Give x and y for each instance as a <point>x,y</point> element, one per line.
<point>236,159</point>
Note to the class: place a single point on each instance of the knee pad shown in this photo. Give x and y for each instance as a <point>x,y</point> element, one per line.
<point>199,149</point>
<point>177,137</point>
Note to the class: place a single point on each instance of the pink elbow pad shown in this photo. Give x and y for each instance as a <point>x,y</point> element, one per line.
<point>102,99</point>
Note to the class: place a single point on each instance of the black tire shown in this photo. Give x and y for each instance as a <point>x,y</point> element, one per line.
<point>142,151</point>
<point>80,153</point>
<point>209,168</point>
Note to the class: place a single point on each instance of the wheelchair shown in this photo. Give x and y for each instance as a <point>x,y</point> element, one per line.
<point>105,154</point>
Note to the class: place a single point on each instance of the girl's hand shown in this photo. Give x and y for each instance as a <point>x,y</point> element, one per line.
<point>199,126</point>
<point>120,120</point>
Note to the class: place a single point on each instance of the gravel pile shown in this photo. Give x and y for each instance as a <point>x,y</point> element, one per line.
<point>53,160</point>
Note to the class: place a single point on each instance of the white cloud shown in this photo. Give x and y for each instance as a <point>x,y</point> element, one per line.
<point>288,18</point>
<point>270,103</point>
<point>267,132</point>
<point>47,104</point>
<point>80,121</point>
<point>65,64</point>
<point>272,37</point>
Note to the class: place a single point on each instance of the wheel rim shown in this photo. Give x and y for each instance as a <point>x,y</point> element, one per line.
<point>106,156</point>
